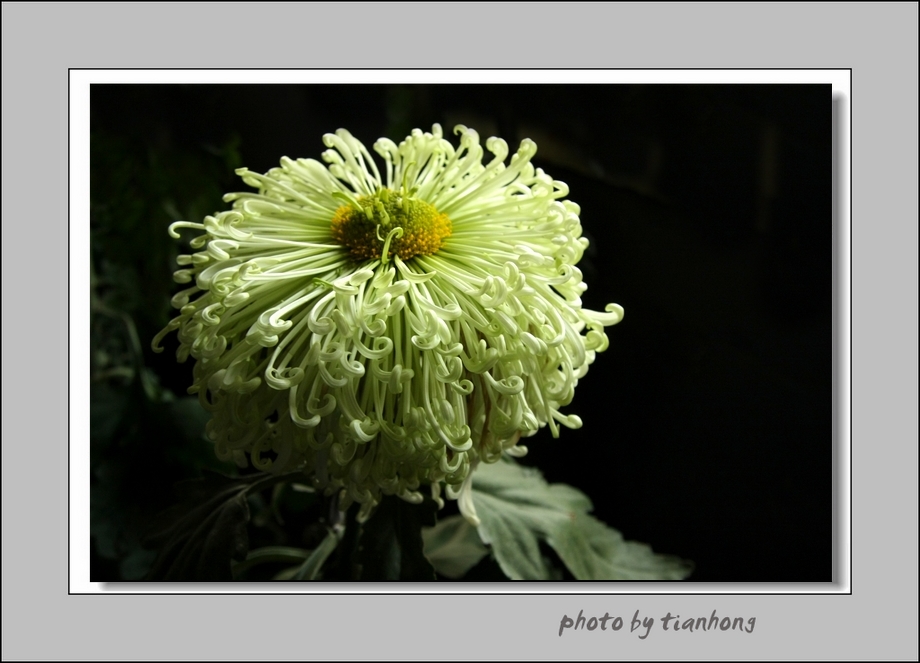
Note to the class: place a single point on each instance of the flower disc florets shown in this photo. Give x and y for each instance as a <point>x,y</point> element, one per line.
<point>388,332</point>
<point>412,227</point>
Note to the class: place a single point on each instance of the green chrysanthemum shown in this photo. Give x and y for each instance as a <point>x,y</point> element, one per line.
<point>388,332</point>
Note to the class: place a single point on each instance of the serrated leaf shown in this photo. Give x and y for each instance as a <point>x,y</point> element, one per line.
<point>593,551</point>
<point>200,537</point>
<point>518,509</point>
<point>453,546</point>
<point>513,533</point>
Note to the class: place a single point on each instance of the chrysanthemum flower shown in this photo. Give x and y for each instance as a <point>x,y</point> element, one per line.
<point>388,331</point>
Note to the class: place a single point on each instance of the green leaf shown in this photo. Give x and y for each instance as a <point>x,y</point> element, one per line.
<point>453,546</point>
<point>107,407</point>
<point>390,546</point>
<point>518,509</point>
<point>200,537</point>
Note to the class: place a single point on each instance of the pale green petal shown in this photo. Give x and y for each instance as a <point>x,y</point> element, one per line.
<point>386,376</point>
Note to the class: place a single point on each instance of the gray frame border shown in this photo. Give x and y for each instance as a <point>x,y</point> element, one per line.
<point>40,42</point>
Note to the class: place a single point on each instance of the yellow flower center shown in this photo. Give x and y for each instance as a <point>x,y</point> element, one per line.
<point>390,221</point>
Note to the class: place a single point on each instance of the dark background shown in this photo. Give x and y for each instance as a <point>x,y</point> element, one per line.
<point>708,420</point>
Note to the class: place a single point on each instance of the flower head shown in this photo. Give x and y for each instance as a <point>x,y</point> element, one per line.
<point>388,331</point>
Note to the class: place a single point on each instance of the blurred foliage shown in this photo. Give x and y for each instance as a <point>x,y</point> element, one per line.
<point>199,537</point>
<point>142,436</point>
<point>137,190</point>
